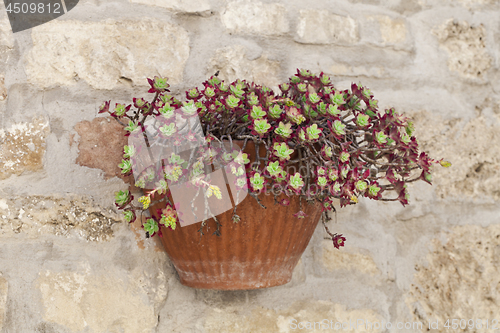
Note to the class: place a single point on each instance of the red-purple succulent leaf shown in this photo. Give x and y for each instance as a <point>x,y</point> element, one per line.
<point>284,202</point>
<point>300,215</point>
<point>338,241</point>
<point>104,107</point>
<point>402,197</point>
<point>426,177</point>
<point>344,202</point>
<point>389,174</point>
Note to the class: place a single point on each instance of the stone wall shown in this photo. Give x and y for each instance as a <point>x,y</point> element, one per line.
<point>68,261</point>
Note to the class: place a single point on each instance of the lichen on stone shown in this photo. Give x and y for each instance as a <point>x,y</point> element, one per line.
<point>71,217</point>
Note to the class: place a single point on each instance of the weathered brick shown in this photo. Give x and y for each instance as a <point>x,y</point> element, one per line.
<point>101,145</point>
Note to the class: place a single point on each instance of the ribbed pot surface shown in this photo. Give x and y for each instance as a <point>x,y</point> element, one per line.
<point>258,252</point>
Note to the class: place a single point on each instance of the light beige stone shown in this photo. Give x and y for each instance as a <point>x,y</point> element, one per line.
<point>103,53</point>
<point>262,320</point>
<point>466,48</point>
<point>349,70</point>
<point>323,27</point>
<point>101,303</point>
<point>3,89</point>
<point>187,6</point>
<point>22,147</point>
<point>347,259</point>
<point>4,289</point>
<point>70,216</point>
<point>61,294</point>
<point>392,30</point>
<point>474,3</point>
<point>137,228</point>
<point>251,17</point>
<point>299,273</point>
<point>470,147</point>
<point>460,279</point>
<point>469,4</point>
<point>6,34</point>
<point>233,64</point>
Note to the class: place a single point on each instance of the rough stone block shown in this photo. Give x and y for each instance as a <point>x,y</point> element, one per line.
<point>70,216</point>
<point>391,30</point>
<point>459,279</point>
<point>263,320</point>
<point>6,37</point>
<point>189,6</point>
<point>249,17</point>
<point>3,89</point>
<point>477,3</point>
<point>346,69</point>
<point>323,27</point>
<point>133,50</point>
<point>22,147</point>
<point>466,48</point>
<point>107,302</point>
<point>232,62</point>
<point>475,171</point>
<point>348,259</point>
<point>4,288</point>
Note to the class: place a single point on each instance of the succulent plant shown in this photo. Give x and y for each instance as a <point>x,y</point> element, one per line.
<point>343,146</point>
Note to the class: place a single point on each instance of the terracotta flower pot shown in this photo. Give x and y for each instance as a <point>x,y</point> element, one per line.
<point>258,252</point>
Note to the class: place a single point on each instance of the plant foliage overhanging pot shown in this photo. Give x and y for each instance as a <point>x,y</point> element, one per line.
<point>279,159</point>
